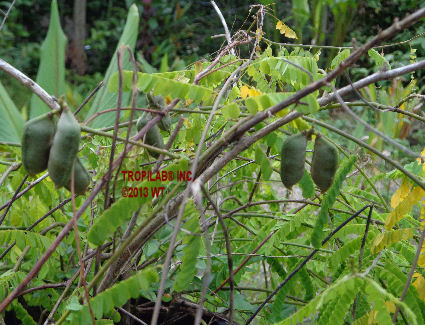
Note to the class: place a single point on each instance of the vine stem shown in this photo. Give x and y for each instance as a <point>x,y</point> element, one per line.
<point>304,262</point>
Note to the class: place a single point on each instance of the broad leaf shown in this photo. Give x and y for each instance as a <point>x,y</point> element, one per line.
<point>11,122</point>
<point>51,72</point>
<point>104,99</point>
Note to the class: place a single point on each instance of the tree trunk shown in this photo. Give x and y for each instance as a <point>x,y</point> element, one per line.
<point>78,56</point>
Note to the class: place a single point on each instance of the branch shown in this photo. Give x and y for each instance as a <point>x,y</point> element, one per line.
<point>30,84</point>
<point>226,29</point>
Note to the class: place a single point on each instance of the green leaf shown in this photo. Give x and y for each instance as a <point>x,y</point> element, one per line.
<point>119,213</point>
<point>11,121</point>
<point>188,268</point>
<point>22,314</point>
<point>162,84</point>
<point>329,199</point>
<point>104,302</point>
<point>74,304</point>
<point>307,186</point>
<point>104,99</point>
<point>341,56</point>
<point>377,58</point>
<point>51,71</point>
<point>231,111</point>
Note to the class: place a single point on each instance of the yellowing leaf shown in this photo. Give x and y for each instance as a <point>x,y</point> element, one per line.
<point>285,30</point>
<point>414,197</point>
<point>253,92</point>
<point>372,317</point>
<point>419,284</point>
<point>249,92</point>
<point>400,194</point>
<point>279,25</point>
<point>389,237</point>
<point>419,160</point>
<point>244,91</point>
<point>390,306</point>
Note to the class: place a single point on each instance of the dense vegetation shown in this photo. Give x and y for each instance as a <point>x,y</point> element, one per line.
<point>157,196</point>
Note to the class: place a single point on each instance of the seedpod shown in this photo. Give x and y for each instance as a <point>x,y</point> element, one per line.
<point>81,178</point>
<point>293,159</point>
<point>153,137</point>
<point>64,149</point>
<point>324,163</point>
<point>36,142</point>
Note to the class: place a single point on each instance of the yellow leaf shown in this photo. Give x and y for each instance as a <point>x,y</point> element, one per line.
<point>244,92</point>
<point>390,306</point>
<point>414,197</point>
<point>279,25</point>
<point>283,29</point>
<point>400,194</point>
<point>419,160</point>
<point>419,284</point>
<point>289,33</point>
<point>168,99</point>
<point>372,317</point>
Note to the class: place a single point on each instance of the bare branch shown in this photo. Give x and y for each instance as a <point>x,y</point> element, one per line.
<point>30,84</point>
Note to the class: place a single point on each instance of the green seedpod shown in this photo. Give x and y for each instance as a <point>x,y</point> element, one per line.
<point>81,178</point>
<point>293,159</point>
<point>36,142</point>
<point>64,149</point>
<point>153,137</point>
<point>158,103</point>
<point>324,163</point>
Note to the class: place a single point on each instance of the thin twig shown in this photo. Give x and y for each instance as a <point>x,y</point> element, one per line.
<point>7,14</point>
<point>294,272</point>
<point>120,58</point>
<point>97,114</point>
<point>369,217</point>
<point>207,273</point>
<point>245,261</point>
<point>371,128</point>
<point>56,306</point>
<point>133,106</point>
<point>138,320</point>
<point>11,168</point>
<point>30,186</point>
<point>169,144</point>
<point>412,271</point>
<point>226,29</point>
<point>15,195</point>
<point>100,84</point>
<point>77,243</point>
<point>228,250</point>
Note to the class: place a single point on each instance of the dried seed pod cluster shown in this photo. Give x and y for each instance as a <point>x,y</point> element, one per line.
<point>323,166</point>
<point>45,146</point>
<point>153,137</point>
